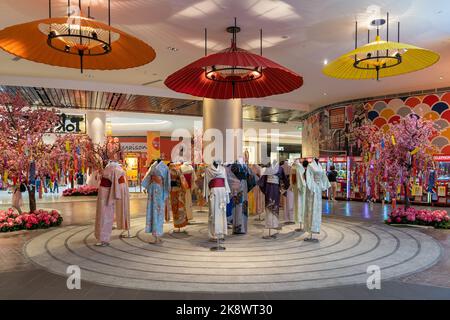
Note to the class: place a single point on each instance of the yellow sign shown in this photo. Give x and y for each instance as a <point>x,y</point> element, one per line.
<point>442,191</point>
<point>153,146</point>
<point>417,190</point>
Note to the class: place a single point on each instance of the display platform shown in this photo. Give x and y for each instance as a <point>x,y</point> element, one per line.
<point>184,263</point>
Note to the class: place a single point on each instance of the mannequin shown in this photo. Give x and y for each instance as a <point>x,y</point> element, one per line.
<point>238,180</point>
<point>316,183</point>
<point>217,191</point>
<point>157,183</point>
<point>259,195</point>
<point>289,196</point>
<point>189,175</point>
<point>271,182</point>
<point>178,187</point>
<point>113,200</point>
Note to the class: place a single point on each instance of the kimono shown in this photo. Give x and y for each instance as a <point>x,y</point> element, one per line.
<point>189,174</point>
<point>271,181</point>
<point>289,196</point>
<point>237,180</point>
<point>298,189</point>
<point>177,197</point>
<point>316,183</point>
<point>258,194</point>
<point>157,183</point>
<point>113,197</point>
<point>199,184</point>
<point>217,190</point>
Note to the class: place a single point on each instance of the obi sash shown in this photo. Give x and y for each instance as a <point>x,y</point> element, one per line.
<point>105,182</point>
<point>188,177</point>
<point>273,179</point>
<point>157,179</point>
<point>217,183</point>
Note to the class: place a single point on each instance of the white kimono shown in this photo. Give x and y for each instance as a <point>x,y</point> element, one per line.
<point>298,188</point>
<point>316,182</point>
<point>218,198</point>
<point>289,195</point>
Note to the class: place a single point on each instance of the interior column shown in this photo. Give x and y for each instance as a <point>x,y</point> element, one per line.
<point>222,115</point>
<point>96,130</point>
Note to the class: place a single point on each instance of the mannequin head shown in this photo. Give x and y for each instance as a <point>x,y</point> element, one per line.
<point>305,163</point>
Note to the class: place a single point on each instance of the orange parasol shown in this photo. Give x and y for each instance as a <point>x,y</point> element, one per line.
<point>90,45</point>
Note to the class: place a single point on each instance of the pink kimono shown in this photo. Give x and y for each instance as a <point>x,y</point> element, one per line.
<point>113,201</point>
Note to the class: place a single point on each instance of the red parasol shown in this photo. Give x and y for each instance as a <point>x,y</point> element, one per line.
<point>234,73</point>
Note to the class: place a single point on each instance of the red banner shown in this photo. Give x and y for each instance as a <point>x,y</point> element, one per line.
<point>337,118</point>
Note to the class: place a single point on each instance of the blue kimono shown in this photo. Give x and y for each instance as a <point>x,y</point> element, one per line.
<point>157,183</point>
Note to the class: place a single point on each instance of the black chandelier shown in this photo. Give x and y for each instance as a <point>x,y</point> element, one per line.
<point>85,37</point>
<point>379,59</point>
<point>235,70</point>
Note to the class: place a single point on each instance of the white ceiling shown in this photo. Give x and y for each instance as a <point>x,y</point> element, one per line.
<point>299,34</point>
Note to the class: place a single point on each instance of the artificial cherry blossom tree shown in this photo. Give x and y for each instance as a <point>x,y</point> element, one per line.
<point>75,153</point>
<point>22,148</point>
<point>394,153</point>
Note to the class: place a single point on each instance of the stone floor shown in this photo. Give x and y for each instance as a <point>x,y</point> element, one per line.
<point>22,279</point>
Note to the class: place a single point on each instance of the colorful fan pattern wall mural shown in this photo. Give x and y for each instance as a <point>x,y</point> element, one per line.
<point>435,107</point>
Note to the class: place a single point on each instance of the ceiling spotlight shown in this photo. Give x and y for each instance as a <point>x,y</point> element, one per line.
<point>67,48</point>
<point>172,49</point>
<point>325,94</point>
<point>325,62</point>
<point>441,78</point>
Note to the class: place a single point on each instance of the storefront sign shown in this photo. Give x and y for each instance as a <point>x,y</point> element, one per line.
<point>71,123</point>
<point>337,118</point>
<point>134,147</point>
<point>442,158</point>
<point>339,159</point>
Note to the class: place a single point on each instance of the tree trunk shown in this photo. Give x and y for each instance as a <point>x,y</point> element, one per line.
<point>407,203</point>
<point>32,198</point>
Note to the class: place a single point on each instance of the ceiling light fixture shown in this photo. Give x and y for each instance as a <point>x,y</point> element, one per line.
<point>233,73</point>
<point>76,41</point>
<point>325,62</point>
<point>172,49</point>
<point>380,58</point>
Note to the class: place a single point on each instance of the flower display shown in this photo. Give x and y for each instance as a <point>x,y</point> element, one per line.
<point>10,220</point>
<point>81,191</point>
<point>436,218</point>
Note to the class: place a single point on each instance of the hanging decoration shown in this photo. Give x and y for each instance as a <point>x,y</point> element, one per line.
<point>233,73</point>
<point>380,58</point>
<point>76,41</point>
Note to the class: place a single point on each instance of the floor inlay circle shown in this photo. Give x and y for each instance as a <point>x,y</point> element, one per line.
<point>183,262</point>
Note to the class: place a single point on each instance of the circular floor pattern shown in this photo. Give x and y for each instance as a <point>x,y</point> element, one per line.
<point>183,262</point>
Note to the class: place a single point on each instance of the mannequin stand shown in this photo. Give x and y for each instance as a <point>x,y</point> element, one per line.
<point>157,240</point>
<point>178,230</point>
<point>218,247</point>
<point>273,236</point>
<point>102,244</point>
<point>259,218</point>
<point>311,239</point>
<point>128,235</point>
